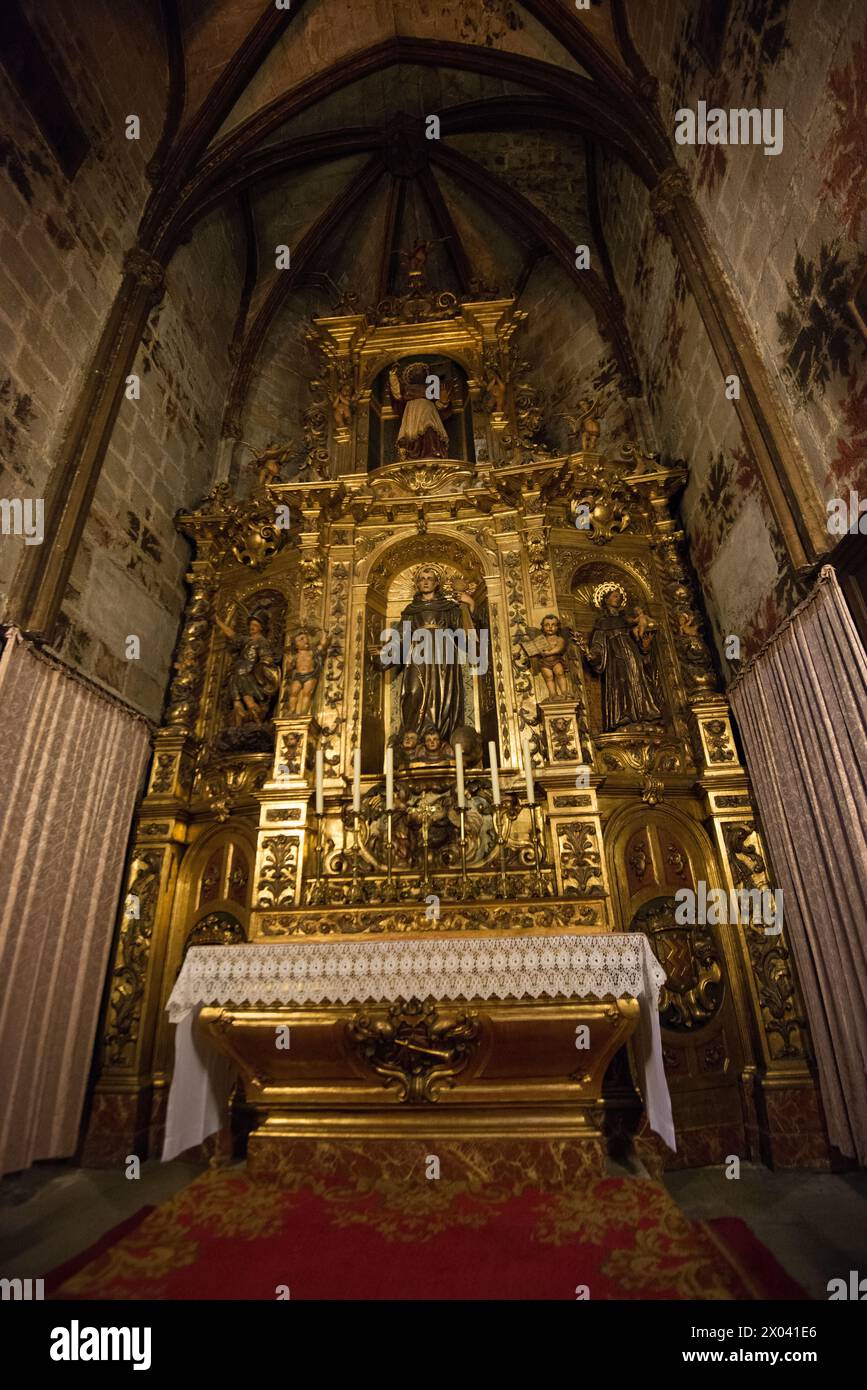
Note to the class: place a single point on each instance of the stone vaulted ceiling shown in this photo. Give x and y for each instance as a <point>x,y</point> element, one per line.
<point>309,126</point>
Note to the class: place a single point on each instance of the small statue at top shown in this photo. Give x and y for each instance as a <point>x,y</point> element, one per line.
<point>422,433</point>
<point>268,464</point>
<point>415,261</point>
<point>586,425</point>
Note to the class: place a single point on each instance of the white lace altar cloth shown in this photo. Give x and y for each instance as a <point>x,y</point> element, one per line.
<point>270,975</point>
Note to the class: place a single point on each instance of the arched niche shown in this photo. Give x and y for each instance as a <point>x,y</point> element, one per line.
<point>389,588</point>
<point>584,613</point>
<point>211,906</point>
<point>267,606</point>
<point>652,853</point>
<point>385,409</point>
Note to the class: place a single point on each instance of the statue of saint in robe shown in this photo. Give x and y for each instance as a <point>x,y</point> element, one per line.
<point>254,673</point>
<point>431,690</point>
<point>422,434</point>
<point>620,651</point>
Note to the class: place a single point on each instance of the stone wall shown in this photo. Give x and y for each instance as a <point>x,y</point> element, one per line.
<point>62,241</point>
<point>128,574</point>
<point>569,359</point>
<point>790,230</point>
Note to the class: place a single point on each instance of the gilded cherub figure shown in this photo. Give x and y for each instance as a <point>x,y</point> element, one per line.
<point>550,648</point>
<point>305,663</point>
<point>342,406</point>
<point>268,463</point>
<point>586,424</point>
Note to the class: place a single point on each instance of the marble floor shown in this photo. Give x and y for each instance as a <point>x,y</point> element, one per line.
<point>814,1223</point>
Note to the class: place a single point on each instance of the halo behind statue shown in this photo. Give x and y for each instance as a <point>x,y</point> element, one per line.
<point>419,569</point>
<point>610,586</point>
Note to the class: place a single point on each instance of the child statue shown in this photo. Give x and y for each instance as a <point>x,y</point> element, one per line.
<point>549,649</point>
<point>305,663</point>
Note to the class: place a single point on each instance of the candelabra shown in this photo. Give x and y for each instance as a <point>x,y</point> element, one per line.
<point>425,887</point>
<point>356,892</point>
<point>538,849</point>
<point>389,891</point>
<point>316,891</point>
<point>503,817</point>
<point>464,889</point>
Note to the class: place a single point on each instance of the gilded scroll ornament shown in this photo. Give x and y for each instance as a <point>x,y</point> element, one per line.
<point>415,1049</point>
<point>276,887</point>
<point>782,1014</point>
<point>580,860</point>
<point>719,744</point>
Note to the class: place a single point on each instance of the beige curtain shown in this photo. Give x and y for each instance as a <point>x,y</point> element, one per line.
<point>801,705</point>
<point>72,763</point>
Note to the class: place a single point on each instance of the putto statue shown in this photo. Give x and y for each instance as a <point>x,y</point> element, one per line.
<point>620,651</point>
<point>304,664</point>
<point>550,648</point>
<point>422,433</point>
<point>254,675</point>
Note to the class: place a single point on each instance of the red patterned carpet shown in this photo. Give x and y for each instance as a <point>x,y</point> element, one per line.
<point>226,1237</point>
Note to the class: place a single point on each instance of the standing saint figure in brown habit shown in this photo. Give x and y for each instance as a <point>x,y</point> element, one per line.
<point>431,682</point>
<point>621,652</point>
<point>422,434</point>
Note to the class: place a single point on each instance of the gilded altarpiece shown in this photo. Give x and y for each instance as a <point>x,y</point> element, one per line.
<point>568,579</point>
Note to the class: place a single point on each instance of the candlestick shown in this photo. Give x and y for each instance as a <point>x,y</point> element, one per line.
<point>316,888</point>
<point>389,778</point>
<point>356,782</point>
<point>463,843</point>
<point>459,769</point>
<point>320,770</point>
<point>528,770</point>
<point>502,821</point>
<point>538,850</point>
<point>495,773</point>
<point>425,887</point>
<point>357,892</point>
<point>389,891</point>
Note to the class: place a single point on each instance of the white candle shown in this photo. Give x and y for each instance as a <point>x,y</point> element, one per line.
<point>459,769</point>
<point>356,781</point>
<point>528,769</point>
<point>320,769</point>
<point>389,778</point>
<point>495,773</point>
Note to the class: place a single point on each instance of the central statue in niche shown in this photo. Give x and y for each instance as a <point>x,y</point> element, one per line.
<point>422,434</point>
<point>431,691</point>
